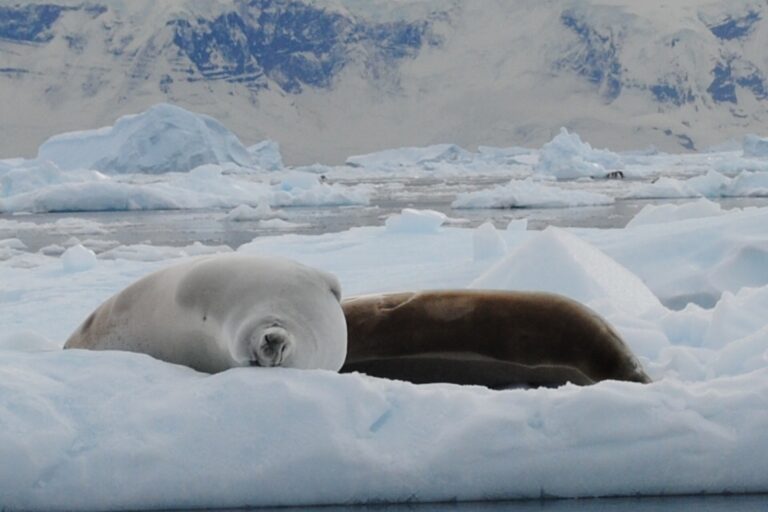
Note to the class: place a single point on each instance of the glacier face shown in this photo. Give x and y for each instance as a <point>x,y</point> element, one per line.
<point>330,78</point>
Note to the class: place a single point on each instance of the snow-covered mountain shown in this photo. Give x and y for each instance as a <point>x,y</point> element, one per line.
<point>328,79</point>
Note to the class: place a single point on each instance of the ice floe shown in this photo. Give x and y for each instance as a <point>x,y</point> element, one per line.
<point>529,194</point>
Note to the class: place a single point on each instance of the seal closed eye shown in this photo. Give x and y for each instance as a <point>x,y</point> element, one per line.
<point>490,338</point>
<point>218,312</point>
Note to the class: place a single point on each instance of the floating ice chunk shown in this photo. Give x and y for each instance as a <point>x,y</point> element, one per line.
<point>34,174</point>
<point>164,138</point>
<point>305,189</point>
<point>529,194</point>
<point>712,184</point>
<point>266,155</point>
<point>11,247</point>
<point>392,159</point>
<point>749,184</point>
<point>298,180</point>
<point>560,262</point>
<point>279,224</point>
<point>77,259</point>
<point>754,146</point>
<point>52,250</point>
<point>657,214</point>
<point>487,242</point>
<point>13,243</point>
<point>415,221</point>
<point>145,252</point>
<point>246,213</point>
<point>567,157</point>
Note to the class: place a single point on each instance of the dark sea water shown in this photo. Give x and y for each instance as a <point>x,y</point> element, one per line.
<point>750,503</point>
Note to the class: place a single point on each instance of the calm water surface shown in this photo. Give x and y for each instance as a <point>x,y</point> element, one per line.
<point>180,228</point>
<point>752,503</point>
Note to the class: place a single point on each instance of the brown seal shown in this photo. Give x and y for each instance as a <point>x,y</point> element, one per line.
<point>491,338</point>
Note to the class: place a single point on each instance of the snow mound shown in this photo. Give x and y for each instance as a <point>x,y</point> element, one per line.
<point>164,138</point>
<point>393,159</point>
<point>529,194</point>
<point>97,417</point>
<point>266,155</point>
<point>566,156</point>
<point>697,259</point>
<point>415,221</point>
<point>77,259</point>
<point>487,243</point>
<point>658,214</point>
<point>712,184</point>
<point>754,146</point>
<point>560,262</point>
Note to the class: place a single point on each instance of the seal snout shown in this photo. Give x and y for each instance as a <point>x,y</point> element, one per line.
<point>271,348</point>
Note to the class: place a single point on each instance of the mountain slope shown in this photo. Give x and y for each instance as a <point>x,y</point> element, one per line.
<point>332,78</point>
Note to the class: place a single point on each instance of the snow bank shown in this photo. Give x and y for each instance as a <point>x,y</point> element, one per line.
<point>184,440</point>
<point>529,194</point>
<point>697,259</point>
<point>567,157</point>
<point>164,138</point>
<point>393,159</point>
<point>713,184</point>
<point>556,261</point>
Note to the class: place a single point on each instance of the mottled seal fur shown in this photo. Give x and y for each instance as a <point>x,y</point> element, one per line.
<point>491,338</point>
<point>218,312</point>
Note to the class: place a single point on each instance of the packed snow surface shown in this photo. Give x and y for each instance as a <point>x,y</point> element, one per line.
<point>105,430</point>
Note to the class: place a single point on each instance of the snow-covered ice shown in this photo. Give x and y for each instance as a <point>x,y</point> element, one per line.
<point>686,285</point>
<point>108,429</point>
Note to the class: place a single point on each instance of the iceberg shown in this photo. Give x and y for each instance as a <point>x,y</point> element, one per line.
<point>164,138</point>
<point>566,157</point>
<point>754,146</point>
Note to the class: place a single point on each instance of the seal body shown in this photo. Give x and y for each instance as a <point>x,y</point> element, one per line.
<point>218,312</point>
<point>491,338</point>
